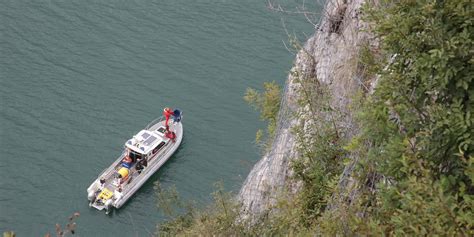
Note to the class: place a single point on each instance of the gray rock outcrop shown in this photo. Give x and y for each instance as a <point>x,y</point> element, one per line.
<point>331,56</point>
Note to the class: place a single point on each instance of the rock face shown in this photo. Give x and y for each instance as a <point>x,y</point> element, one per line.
<point>270,173</point>
<point>331,56</point>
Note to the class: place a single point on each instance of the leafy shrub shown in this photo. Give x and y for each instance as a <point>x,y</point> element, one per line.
<point>268,103</point>
<point>417,126</point>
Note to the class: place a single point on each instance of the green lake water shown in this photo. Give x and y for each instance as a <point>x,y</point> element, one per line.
<point>79,78</point>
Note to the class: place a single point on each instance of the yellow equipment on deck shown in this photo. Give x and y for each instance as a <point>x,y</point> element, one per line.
<point>123,172</point>
<point>105,194</point>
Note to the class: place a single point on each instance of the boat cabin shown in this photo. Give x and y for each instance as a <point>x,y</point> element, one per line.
<point>146,143</point>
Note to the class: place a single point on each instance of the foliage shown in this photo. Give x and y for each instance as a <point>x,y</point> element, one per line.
<point>180,212</point>
<point>319,144</point>
<point>70,227</point>
<point>217,219</point>
<point>268,103</point>
<point>369,62</point>
<point>9,234</point>
<point>418,125</point>
<point>429,84</point>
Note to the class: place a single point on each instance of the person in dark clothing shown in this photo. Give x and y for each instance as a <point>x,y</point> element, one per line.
<point>102,185</point>
<point>141,164</point>
<point>177,116</point>
<point>139,167</point>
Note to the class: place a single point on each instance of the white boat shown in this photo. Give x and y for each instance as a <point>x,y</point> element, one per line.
<point>152,147</point>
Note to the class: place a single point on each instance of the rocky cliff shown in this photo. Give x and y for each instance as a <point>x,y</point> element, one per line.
<point>330,57</point>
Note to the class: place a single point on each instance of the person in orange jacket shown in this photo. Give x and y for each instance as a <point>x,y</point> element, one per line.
<point>167,112</point>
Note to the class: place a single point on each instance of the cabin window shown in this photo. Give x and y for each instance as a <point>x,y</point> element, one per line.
<point>162,130</point>
<point>157,148</point>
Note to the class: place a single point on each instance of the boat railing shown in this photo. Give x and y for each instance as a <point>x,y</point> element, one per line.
<point>155,121</point>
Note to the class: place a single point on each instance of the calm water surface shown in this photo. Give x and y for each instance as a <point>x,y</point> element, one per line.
<point>78,78</point>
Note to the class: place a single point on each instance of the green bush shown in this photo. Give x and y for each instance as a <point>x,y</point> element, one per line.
<point>268,103</point>
<point>417,126</point>
<point>184,219</point>
<point>321,153</point>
